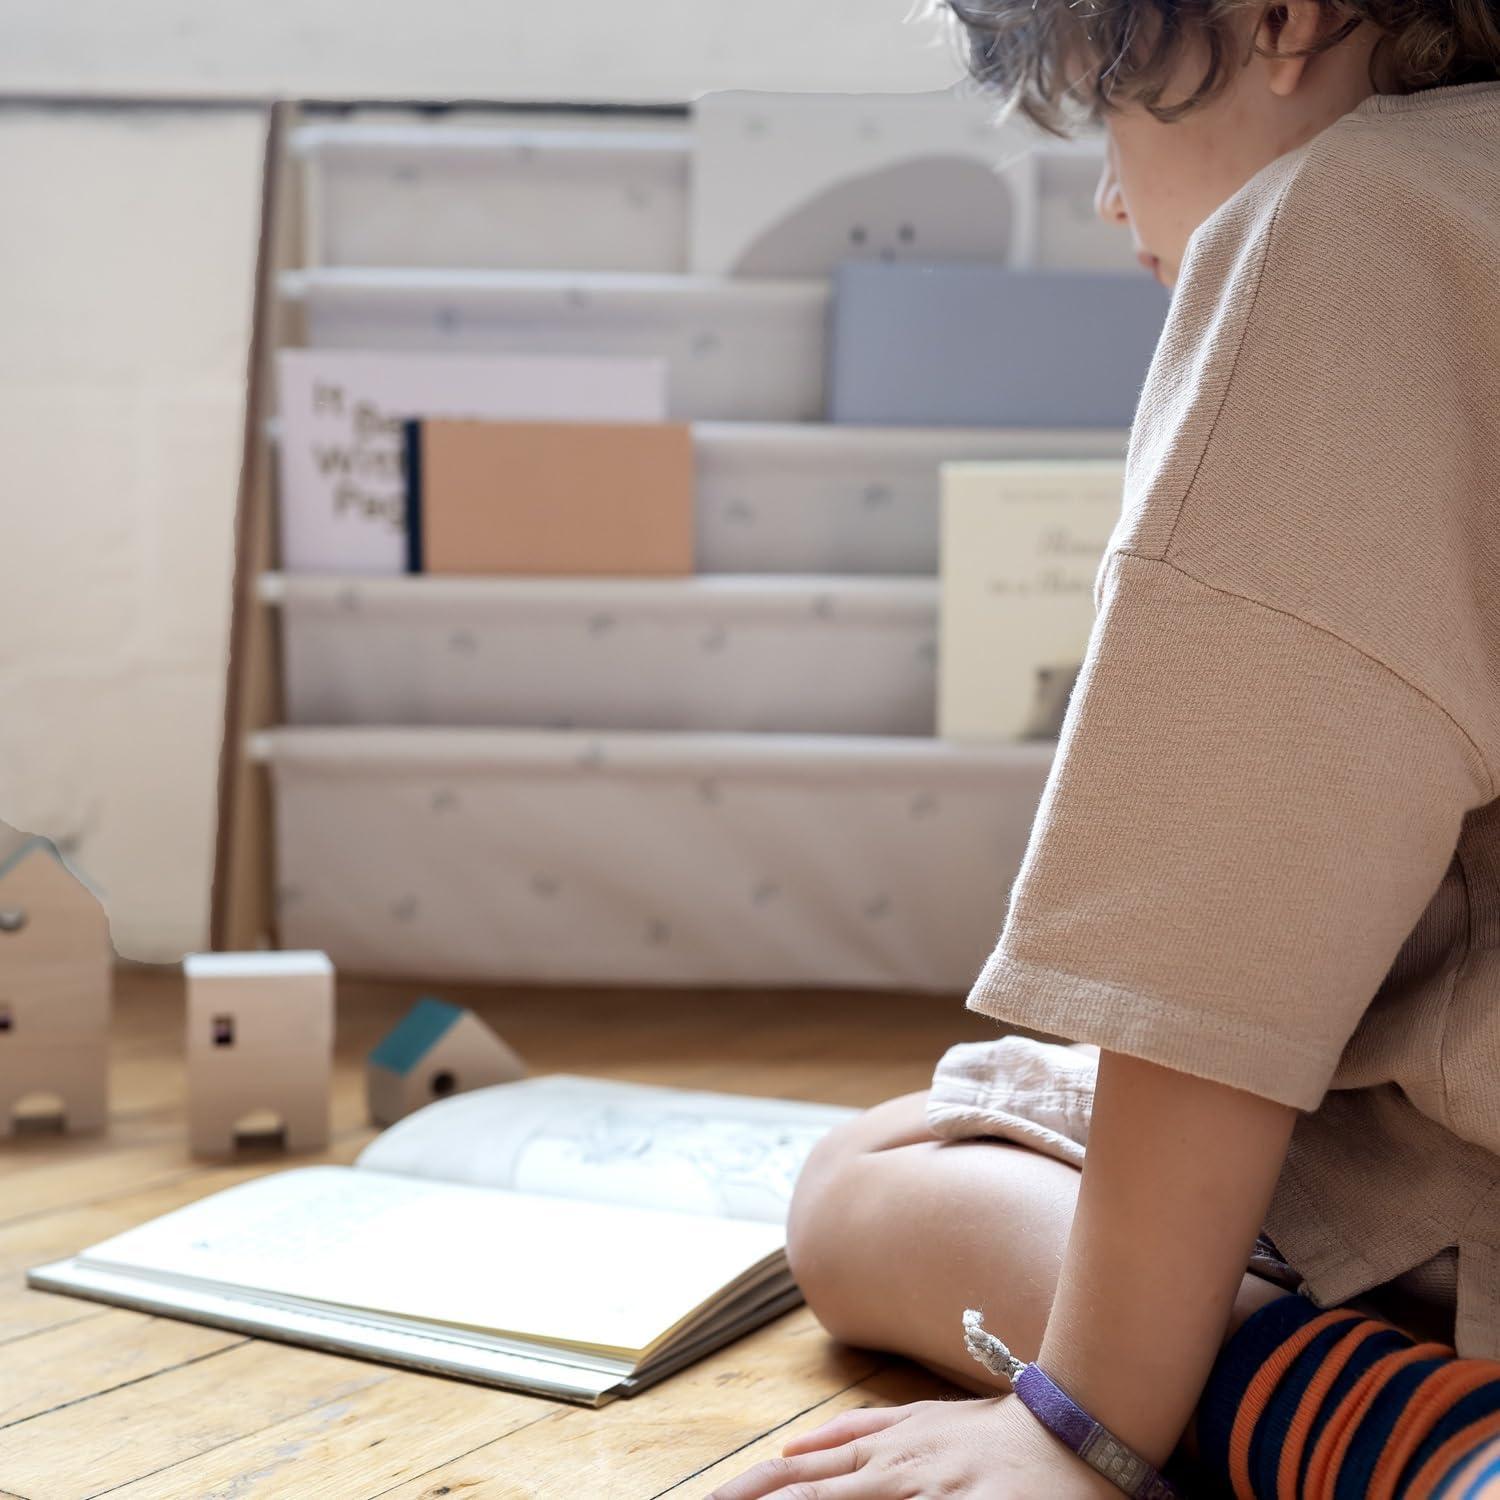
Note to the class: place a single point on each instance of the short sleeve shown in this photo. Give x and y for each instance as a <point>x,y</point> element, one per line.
<point>1245,817</point>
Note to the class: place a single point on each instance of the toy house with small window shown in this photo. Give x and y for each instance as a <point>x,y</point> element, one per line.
<point>436,1049</point>
<point>259,1050</point>
<point>56,971</point>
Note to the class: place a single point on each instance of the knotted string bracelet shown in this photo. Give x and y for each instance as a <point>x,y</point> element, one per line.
<point>1057,1411</point>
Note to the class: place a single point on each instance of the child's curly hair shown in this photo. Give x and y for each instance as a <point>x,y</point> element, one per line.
<point>1026,49</point>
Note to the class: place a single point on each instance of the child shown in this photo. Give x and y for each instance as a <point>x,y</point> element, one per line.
<point>1262,889</point>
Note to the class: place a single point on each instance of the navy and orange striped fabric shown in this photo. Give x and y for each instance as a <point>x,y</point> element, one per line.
<point>1304,1404</point>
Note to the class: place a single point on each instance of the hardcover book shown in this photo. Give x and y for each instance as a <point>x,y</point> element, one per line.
<point>950,343</point>
<point>573,1237</point>
<point>1020,549</point>
<point>550,498</point>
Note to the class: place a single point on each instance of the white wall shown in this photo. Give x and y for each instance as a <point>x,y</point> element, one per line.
<point>652,50</point>
<point>126,266</point>
<point>126,277</point>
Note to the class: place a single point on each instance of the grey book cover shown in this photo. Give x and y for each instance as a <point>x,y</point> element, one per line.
<point>982,345</point>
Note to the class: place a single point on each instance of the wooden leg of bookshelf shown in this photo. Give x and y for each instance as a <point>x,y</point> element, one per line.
<point>243,912</point>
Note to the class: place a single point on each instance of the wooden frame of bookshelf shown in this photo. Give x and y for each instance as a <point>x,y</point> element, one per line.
<point>243,908</point>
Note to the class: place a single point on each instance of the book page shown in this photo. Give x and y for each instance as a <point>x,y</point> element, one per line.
<point>594,1277</point>
<point>724,1155</point>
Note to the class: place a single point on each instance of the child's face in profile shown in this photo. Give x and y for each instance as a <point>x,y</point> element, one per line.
<point>1161,181</point>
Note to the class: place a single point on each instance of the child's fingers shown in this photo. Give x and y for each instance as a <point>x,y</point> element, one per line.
<point>845,1428</point>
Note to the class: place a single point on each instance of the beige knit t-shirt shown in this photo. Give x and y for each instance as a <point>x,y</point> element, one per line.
<point>1268,849</point>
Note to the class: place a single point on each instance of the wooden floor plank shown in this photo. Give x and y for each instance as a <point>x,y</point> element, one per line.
<point>135,1431</point>
<point>135,1157</point>
<point>89,1356</point>
<point>29,1313</point>
<point>895,1385</point>
<point>642,1445</point>
<point>398,1439</point>
<point>60,1312</point>
<point>365,1443</point>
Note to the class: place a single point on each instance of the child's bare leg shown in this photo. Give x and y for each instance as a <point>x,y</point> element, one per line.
<point>894,1232</point>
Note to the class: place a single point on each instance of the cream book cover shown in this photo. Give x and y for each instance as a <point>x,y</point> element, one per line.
<point>1021,543</point>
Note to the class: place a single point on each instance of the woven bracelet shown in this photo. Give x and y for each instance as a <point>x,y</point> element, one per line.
<point>1062,1416</point>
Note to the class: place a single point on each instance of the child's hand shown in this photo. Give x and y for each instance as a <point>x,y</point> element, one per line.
<point>989,1448</point>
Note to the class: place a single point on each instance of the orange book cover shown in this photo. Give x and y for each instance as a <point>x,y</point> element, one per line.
<point>551,498</point>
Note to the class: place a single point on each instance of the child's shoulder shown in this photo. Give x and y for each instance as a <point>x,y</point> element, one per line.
<point>1324,376</point>
<point>1386,192</point>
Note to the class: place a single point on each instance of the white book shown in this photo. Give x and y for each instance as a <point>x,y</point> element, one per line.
<point>572,1237</point>
<point>1020,550</point>
<point>341,433</point>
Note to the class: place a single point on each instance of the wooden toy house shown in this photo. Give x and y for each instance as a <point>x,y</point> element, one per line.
<point>436,1049</point>
<point>259,1040</point>
<point>56,966</point>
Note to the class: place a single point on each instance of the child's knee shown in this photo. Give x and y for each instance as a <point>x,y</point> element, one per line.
<point>815,1238</point>
<point>894,1122</point>
<point>832,1193</point>
<point>900,1121</point>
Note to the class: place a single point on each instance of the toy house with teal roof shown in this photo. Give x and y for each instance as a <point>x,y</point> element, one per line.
<point>56,976</point>
<point>435,1050</point>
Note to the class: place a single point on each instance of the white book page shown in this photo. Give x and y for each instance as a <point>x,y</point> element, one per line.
<point>596,1277</point>
<point>689,1151</point>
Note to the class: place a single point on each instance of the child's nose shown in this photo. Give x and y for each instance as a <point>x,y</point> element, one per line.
<point>1109,202</point>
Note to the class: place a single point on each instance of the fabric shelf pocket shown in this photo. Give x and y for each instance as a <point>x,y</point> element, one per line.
<point>815,498</point>
<point>536,856</point>
<point>815,655</point>
<point>504,197</point>
<point>735,350</point>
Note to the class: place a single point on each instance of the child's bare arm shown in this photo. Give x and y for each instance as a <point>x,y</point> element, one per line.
<point>1176,1181</point>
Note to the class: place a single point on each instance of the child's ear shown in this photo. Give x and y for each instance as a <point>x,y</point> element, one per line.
<point>1287,27</point>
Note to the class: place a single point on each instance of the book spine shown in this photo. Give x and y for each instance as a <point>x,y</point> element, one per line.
<point>412,441</point>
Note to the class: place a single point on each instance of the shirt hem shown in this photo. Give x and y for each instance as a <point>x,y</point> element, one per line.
<point>1168,1032</point>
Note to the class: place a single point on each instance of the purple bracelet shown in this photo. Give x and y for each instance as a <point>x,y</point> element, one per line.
<point>1062,1416</point>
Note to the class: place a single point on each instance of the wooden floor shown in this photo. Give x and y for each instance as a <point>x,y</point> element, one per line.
<point>100,1401</point>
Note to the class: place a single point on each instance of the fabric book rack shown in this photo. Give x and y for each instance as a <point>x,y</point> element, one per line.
<point>731,778</point>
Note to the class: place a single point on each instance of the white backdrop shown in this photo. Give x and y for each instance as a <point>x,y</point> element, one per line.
<point>647,50</point>
<point>126,265</point>
<point>125,292</point>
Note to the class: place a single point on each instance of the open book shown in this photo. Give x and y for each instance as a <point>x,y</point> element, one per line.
<point>573,1237</point>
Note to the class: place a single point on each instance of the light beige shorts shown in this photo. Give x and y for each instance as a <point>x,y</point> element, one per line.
<point>1041,1095</point>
